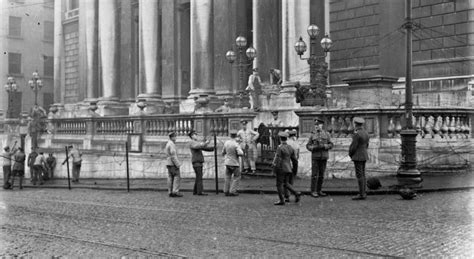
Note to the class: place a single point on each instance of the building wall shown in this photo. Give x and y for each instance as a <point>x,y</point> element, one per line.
<point>32,45</point>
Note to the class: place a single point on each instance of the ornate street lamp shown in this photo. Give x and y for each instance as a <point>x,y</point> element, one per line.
<point>36,84</point>
<point>318,91</point>
<point>242,62</point>
<point>10,87</point>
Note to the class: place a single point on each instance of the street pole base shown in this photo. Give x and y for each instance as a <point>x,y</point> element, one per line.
<point>409,177</point>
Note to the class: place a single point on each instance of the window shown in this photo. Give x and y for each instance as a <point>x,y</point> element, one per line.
<point>48,31</point>
<point>14,63</point>
<point>48,64</point>
<point>14,26</point>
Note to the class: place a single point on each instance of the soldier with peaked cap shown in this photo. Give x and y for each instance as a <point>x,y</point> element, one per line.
<point>173,164</point>
<point>249,146</point>
<point>232,152</point>
<point>359,155</point>
<point>197,159</point>
<point>319,144</point>
<point>284,165</point>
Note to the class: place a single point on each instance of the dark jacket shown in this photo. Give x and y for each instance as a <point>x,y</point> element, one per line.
<point>359,145</point>
<point>19,164</point>
<point>196,151</point>
<point>285,157</point>
<point>318,144</point>
<point>31,158</point>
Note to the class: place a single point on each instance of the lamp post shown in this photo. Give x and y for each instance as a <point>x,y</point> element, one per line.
<point>36,84</point>
<point>232,56</point>
<point>10,87</point>
<point>407,173</point>
<point>300,47</point>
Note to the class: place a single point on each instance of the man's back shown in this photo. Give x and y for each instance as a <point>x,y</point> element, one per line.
<point>232,151</point>
<point>285,158</point>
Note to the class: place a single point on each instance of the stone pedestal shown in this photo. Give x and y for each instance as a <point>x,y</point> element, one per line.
<point>370,92</point>
<point>111,108</point>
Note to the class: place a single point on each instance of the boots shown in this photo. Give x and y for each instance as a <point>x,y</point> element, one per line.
<point>319,186</point>
<point>362,195</point>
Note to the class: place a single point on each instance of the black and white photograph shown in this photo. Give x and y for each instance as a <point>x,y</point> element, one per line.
<point>237,128</point>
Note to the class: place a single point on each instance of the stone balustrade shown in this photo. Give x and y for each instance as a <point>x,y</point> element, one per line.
<point>388,122</point>
<point>152,125</point>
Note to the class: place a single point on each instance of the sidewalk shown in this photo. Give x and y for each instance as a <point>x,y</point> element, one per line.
<point>255,185</point>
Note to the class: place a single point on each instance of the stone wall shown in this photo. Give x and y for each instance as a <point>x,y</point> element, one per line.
<point>71,63</point>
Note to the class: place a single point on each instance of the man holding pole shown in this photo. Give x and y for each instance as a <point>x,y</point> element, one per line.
<point>76,162</point>
<point>197,160</point>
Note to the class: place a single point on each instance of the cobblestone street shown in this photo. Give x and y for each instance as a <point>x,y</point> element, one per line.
<point>87,223</point>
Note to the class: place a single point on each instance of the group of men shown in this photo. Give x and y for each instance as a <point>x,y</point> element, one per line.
<point>41,167</point>
<point>240,154</point>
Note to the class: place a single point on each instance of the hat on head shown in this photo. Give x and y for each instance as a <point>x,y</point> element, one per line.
<point>172,134</point>
<point>244,122</point>
<point>233,133</point>
<point>274,112</point>
<point>6,148</point>
<point>318,120</point>
<point>191,133</point>
<point>359,120</point>
<point>283,134</point>
<point>292,133</point>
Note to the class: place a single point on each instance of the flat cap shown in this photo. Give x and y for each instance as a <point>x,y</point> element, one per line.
<point>359,120</point>
<point>274,112</point>
<point>172,134</point>
<point>318,120</point>
<point>283,134</point>
<point>244,122</point>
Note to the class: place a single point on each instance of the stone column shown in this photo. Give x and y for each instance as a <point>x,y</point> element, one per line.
<point>91,33</point>
<point>202,54</point>
<point>151,45</point>
<point>109,33</point>
<point>109,27</point>
<point>58,54</point>
<point>266,37</point>
<point>295,21</point>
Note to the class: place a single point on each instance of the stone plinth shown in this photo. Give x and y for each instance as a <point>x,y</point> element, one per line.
<point>370,92</point>
<point>112,108</point>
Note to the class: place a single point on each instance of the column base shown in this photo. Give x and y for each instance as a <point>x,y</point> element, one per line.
<point>111,108</point>
<point>154,105</point>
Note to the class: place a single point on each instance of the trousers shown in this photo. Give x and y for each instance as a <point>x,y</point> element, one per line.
<point>7,171</point>
<point>318,167</point>
<point>250,157</point>
<point>198,188</point>
<point>283,183</point>
<point>174,179</point>
<point>360,174</point>
<point>76,171</point>
<point>232,179</point>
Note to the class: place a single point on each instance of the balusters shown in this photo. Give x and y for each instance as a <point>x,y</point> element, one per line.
<point>452,127</point>
<point>391,127</point>
<point>436,126</point>
<point>329,128</point>
<point>350,126</point>
<point>398,125</point>
<point>343,130</point>
<point>226,127</point>
<point>427,126</point>
<point>458,127</point>
<point>337,126</point>
<point>444,126</point>
<point>418,124</point>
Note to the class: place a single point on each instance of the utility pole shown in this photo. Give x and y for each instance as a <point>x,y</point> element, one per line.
<point>407,173</point>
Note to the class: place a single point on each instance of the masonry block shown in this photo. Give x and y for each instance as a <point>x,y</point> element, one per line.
<point>442,8</point>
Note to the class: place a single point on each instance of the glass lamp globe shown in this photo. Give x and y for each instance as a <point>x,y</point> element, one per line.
<point>300,46</point>
<point>241,42</point>
<point>313,30</point>
<point>231,56</point>
<point>251,53</point>
<point>326,43</point>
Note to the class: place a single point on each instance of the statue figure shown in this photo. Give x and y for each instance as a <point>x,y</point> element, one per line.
<point>37,124</point>
<point>254,88</point>
<point>275,76</point>
<point>225,107</point>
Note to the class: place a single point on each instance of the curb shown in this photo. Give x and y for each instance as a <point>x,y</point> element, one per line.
<point>252,191</point>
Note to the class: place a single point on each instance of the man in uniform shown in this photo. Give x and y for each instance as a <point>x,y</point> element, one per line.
<point>197,159</point>
<point>173,164</point>
<point>76,162</point>
<point>31,161</point>
<point>359,155</point>
<point>318,144</point>
<point>293,142</point>
<point>231,152</point>
<point>19,166</point>
<point>249,146</point>
<point>285,164</point>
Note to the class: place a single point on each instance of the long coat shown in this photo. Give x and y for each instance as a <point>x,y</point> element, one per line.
<point>285,159</point>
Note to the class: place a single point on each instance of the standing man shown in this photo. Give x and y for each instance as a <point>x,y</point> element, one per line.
<point>173,164</point>
<point>254,88</point>
<point>76,162</point>
<point>318,144</point>
<point>31,161</point>
<point>231,152</point>
<point>51,164</point>
<point>197,159</point>
<point>285,164</point>
<point>19,166</point>
<point>249,146</point>
<point>38,167</point>
<point>7,165</point>
<point>292,141</point>
<point>358,154</point>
